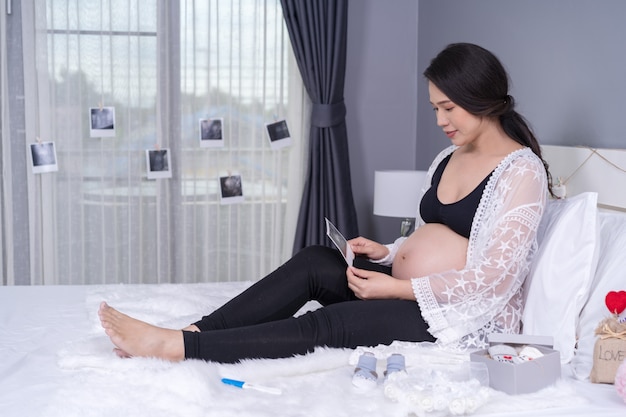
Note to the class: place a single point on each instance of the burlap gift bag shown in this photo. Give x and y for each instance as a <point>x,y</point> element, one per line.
<point>609,351</point>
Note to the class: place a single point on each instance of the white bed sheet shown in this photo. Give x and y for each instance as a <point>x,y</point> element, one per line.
<point>55,361</point>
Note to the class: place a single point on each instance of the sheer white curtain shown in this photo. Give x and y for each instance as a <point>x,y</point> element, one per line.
<point>163,66</point>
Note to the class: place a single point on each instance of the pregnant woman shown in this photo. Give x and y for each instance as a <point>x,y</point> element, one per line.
<point>454,280</point>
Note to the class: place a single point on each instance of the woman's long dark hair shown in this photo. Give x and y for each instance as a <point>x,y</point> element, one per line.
<point>475,79</point>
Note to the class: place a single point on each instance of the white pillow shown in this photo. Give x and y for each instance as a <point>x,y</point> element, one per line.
<point>561,273</point>
<point>609,276</point>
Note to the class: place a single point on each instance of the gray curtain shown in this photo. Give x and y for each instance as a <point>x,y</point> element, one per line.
<point>318,32</point>
<point>16,261</point>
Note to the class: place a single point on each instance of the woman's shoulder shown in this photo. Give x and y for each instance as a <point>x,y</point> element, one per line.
<point>520,164</point>
<point>524,157</point>
<point>445,152</point>
<point>440,157</point>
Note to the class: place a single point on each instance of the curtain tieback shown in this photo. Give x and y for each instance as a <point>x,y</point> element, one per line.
<point>327,115</point>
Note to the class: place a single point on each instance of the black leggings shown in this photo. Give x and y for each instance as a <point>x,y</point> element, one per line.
<point>259,322</point>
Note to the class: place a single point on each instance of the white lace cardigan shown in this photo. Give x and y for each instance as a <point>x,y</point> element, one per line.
<point>462,307</point>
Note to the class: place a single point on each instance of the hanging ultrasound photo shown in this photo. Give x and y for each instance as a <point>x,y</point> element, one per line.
<point>43,157</point>
<point>231,189</point>
<point>158,163</point>
<point>211,133</point>
<point>278,134</point>
<point>101,122</point>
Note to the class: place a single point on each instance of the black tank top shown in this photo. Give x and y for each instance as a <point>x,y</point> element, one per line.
<point>459,215</point>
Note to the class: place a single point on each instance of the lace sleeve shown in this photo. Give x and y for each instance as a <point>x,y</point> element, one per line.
<point>393,249</point>
<point>502,241</point>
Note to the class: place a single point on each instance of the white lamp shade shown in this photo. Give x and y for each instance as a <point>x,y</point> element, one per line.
<point>396,193</point>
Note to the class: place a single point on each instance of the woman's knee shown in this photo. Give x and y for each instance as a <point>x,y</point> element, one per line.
<point>324,269</point>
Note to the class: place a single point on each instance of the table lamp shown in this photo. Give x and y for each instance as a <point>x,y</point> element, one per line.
<point>396,194</point>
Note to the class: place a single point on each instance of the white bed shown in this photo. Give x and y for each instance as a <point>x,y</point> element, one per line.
<point>56,361</point>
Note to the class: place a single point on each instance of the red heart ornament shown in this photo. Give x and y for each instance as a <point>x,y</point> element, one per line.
<point>616,301</point>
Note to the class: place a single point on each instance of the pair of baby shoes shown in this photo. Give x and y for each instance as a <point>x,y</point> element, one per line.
<point>510,354</point>
<point>365,376</point>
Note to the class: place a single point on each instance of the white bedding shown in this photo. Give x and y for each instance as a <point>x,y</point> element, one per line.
<point>56,361</point>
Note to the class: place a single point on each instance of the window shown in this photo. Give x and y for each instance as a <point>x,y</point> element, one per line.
<point>156,69</point>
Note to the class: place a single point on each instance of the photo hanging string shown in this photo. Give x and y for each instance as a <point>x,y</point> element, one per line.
<point>560,189</point>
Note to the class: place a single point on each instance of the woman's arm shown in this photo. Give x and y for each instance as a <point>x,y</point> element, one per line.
<point>365,247</point>
<point>371,285</point>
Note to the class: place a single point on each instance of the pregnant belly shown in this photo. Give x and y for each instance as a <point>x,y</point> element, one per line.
<point>431,248</point>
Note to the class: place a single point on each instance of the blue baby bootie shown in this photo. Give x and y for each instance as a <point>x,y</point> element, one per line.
<point>365,376</point>
<point>395,363</point>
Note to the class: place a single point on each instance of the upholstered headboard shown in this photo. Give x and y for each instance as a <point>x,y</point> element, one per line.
<point>590,169</point>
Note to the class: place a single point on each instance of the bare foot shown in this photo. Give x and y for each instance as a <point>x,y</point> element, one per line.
<point>134,337</point>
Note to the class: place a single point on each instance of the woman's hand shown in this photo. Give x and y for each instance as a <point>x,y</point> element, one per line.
<point>372,285</point>
<point>369,248</point>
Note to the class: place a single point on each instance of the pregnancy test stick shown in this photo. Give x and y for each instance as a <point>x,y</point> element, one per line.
<point>246,385</point>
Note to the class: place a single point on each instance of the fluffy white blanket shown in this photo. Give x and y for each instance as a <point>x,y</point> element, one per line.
<point>97,383</point>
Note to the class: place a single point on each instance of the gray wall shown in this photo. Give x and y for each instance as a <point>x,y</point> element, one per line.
<point>566,60</point>
<point>381,98</point>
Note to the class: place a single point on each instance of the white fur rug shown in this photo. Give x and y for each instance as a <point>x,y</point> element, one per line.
<point>97,383</point>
